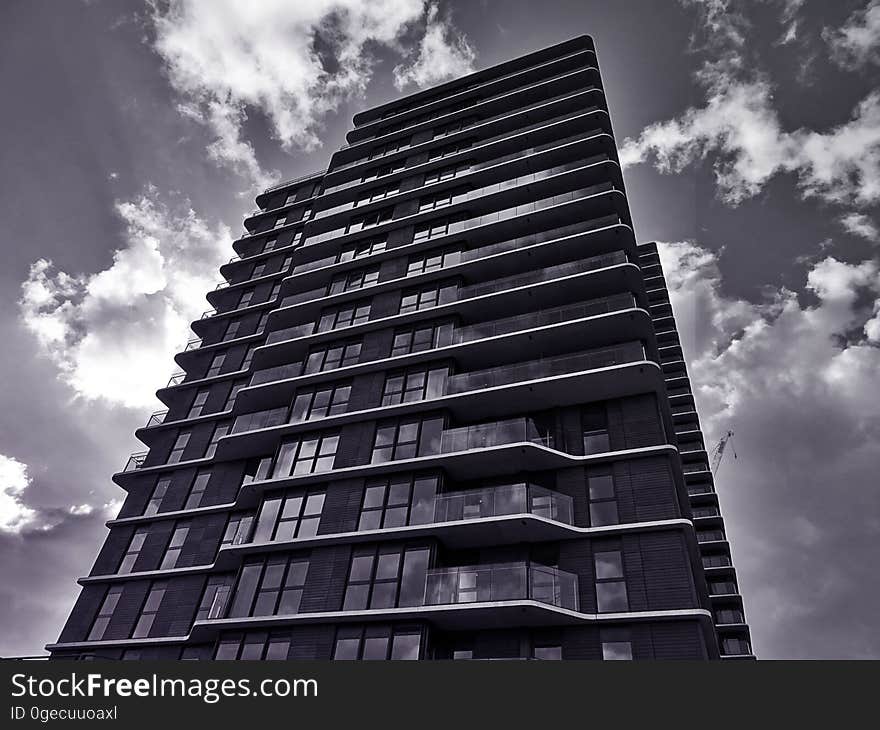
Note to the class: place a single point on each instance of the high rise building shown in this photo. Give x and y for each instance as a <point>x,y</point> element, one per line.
<point>439,410</point>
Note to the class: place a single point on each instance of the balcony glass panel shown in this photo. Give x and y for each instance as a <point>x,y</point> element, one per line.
<point>498,433</point>
<point>504,500</point>
<point>501,582</point>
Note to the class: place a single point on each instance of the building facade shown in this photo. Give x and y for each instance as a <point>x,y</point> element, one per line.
<point>438,411</point>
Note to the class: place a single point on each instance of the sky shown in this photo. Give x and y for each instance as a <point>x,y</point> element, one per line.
<point>136,135</point>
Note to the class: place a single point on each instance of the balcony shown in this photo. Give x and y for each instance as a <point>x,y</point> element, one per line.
<point>274,374</point>
<point>193,344</point>
<point>157,418</point>
<point>497,433</point>
<point>510,499</point>
<point>136,461</point>
<point>545,368</point>
<point>501,582</point>
<point>176,379</point>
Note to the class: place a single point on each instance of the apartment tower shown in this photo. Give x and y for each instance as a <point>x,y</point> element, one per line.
<point>438,410</point>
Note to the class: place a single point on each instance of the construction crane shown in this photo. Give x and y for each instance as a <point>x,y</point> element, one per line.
<point>718,451</point>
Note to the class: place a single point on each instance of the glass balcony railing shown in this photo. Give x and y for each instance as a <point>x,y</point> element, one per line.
<point>538,275</point>
<point>157,418</point>
<point>351,205</point>
<point>136,461</point>
<point>501,582</point>
<point>280,372</point>
<point>544,317</point>
<point>481,193</point>
<point>545,368</point>
<point>502,326</point>
<point>497,433</point>
<point>509,499</point>
<point>176,379</point>
<point>367,158</point>
<point>193,344</point>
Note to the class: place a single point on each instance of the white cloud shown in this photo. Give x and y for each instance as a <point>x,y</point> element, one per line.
<point>442,54</point>
<point>113,334</point>
<point>14,480</point>
<point>292,62</point>
<point>857,42</point>
<point>740,127</point>
<point>796,379</point>
<point>861,225</point>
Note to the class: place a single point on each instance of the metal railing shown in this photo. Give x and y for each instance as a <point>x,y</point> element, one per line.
<point>136,461</point>
<point>157,418</point>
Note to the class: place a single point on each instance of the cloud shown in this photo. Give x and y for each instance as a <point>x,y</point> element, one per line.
<point>442,54</point>
<point>740,129</point>
<point>14,479</point>
<point>292,63</point>
<point>861,225</point>
<point>857,42</point>
<point>796,380</point>
<point>113,334</point>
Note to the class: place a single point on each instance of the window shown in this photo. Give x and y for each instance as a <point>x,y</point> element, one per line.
<point>258,270</point>
<point>729,616</point>
<point>238,529</point>
<point>354,280</point>
<point>345,316</point>
<point>445,173</point>
<point>450,149</point>
<point>133,550</point>
<point>232,330</point>
<point>285,265</point>
<point>261,324</point>
<point>421,338</point>
<point>362,249</point>
<point>428,296</point>
<point>385,577</point>
<point>594,423</point>
<point>603,502</point>
<point>216,364</point>
<point>297,237</point>
<point>716,561</point>
<point>406,439</point>
<point>197,490</point>
<point>306,455</point>
<point>432,262</point>
<point>245,300</point>
<point>280,221</point>
<point>398,500</point>
<point>436,201</point>
<point>547,652</point>
<point>414,385</point>
<point>149,610</point>
<point>389,147</point>
<point>270,586</point>
<point>320,403</point>
<point>256,645</point>
<point>179,445</point>
<point>105,613</point>
<point>175,545</point>
<point>195,410</point>
<point>331,358</point>
<point>269,245</point>
<point>710,535</point>
<point>273,294</point>
<point>384,170</point>
<point>289,516</point>
<point>722,587</point>
<point>159,492</point>
<point>257,470</point>
<point>376,642</point>
<point>431,230</point>
<point>617,650</point>
<point>610,585</point>
<point>248,357</point>
<point>378,194</point>
<point>233,393</point>
<point>370,220</point>
<point>215,598</point>
<point>220,430</point>
<point>735,646</point>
